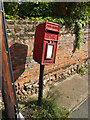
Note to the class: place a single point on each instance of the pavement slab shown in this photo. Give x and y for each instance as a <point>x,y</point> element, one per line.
<point>81,111</point>
<point>71,92</point>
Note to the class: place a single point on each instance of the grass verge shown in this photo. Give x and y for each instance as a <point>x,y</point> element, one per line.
<point>48,110</point>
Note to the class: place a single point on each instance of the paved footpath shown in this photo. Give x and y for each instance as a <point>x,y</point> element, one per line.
<point>71,93</point>
<point>84,109</point>
<point>81,112</point>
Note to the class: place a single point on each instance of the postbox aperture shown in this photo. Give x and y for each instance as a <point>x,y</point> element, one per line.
<point>49,54</point>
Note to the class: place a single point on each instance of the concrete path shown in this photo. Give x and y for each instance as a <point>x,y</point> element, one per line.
<point>81,112</point>
<point>71,93</point>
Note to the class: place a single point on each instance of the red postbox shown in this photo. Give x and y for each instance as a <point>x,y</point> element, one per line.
<point>45,44</point>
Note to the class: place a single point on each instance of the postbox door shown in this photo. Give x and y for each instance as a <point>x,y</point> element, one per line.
<point>49,52</point>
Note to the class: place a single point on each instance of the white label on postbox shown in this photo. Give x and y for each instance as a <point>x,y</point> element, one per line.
<point>50,51</point>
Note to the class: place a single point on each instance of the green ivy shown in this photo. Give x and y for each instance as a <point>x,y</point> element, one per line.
<point>16,17</point>
<point>78,34</point>
<point>50,19</point>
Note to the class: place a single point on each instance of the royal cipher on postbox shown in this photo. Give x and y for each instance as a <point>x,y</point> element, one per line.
<point>45,44</point>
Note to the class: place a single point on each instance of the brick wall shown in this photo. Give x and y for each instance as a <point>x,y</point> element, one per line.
<point>26,70</point>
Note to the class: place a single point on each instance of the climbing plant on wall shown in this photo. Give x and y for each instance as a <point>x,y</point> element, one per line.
<point>78,31</point>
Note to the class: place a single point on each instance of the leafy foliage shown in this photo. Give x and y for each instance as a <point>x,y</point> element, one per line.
<point>69,13</point>
<point>30,9</point>
<point>76,11</point>
<point>36,9</point>
<point>82,70</point>
<point>50,19</point>
<point>48,110</point>
<point>11,8</point>
<point>78,34</point>
<point>12,17</point>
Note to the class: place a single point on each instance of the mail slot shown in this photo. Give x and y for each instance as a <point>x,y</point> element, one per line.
<point>45,44</point>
